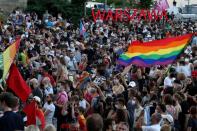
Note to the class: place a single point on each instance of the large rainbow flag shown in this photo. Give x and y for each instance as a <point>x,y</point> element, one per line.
<point>7,57</point>
<point>158,52</point>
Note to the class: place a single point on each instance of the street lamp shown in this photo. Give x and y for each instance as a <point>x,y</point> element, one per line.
<point>188,11</point>
<point>85,3</point>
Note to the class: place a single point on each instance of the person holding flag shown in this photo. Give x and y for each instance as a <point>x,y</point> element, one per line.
<point>82,30</point>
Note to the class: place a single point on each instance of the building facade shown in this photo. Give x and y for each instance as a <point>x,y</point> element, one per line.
<point>191,9</point>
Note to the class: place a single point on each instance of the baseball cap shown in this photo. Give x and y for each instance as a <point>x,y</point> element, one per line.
<point>132,84</point>
<point>37,99</point>
<point>169,118</point>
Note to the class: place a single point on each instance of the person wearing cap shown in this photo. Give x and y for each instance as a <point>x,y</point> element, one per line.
<point>166,117</point>
<point>132,84</point>
<point>37,99</point>
<point>155,123</point>
<point>39,111</point>
<point>10,121</point>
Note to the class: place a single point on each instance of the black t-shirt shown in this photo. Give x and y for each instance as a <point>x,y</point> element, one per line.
<point>185,107</point>
<point>192,90</point>
<point>37,92</point>
<point>192,122</point>
<point>11,121</point>
<point>90,53</point>
<point>67,119</point>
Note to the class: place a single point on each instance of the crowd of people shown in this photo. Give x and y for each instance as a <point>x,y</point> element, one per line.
<point>78,85</point>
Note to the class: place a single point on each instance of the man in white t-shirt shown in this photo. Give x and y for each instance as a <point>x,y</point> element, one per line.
<point>185,67</point>
<point>168,81</point>
<point>155,120</point>
<point>49,109</point>
<point>72,63</point>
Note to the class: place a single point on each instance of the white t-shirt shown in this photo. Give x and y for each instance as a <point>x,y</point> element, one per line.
<point>168,82</point>
<point>71,64</point>
<point>155,127</point>
<point>48,90</point>
<point>28,24</point>
<point>186,69</point>
<point>51,108</point>
<point>82,103</point>
<point>67,59</point>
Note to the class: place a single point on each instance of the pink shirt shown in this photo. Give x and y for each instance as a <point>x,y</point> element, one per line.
<point>62,98</point>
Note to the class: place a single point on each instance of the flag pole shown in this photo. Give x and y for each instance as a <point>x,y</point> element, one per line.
<point>1,87</point>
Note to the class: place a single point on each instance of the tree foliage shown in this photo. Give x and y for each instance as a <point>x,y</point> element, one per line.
<point>145,4</point>
<point>73,10</point>
<point>140,4</point>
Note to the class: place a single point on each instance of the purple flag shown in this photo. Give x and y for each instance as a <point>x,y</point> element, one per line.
<point>162,5</point>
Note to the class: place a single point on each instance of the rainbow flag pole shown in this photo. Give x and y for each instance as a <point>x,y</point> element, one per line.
<point>158,52</point>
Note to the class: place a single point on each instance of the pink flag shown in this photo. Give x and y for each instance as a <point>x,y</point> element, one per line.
<point>162,5</point>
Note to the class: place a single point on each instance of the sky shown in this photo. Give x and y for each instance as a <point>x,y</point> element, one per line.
<point>182,3</point>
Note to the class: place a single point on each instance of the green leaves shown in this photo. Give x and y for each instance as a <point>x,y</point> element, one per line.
<point>137,4</point>
<point>145,4</point>
<point>73,10</point>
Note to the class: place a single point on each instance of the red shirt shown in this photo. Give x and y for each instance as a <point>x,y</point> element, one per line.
<point>51,78</point>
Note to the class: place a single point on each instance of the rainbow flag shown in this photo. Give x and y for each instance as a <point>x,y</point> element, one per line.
<point>83,80</point>
<point>82,29</point>
<point>158,52</point>
<point>7,57</point>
